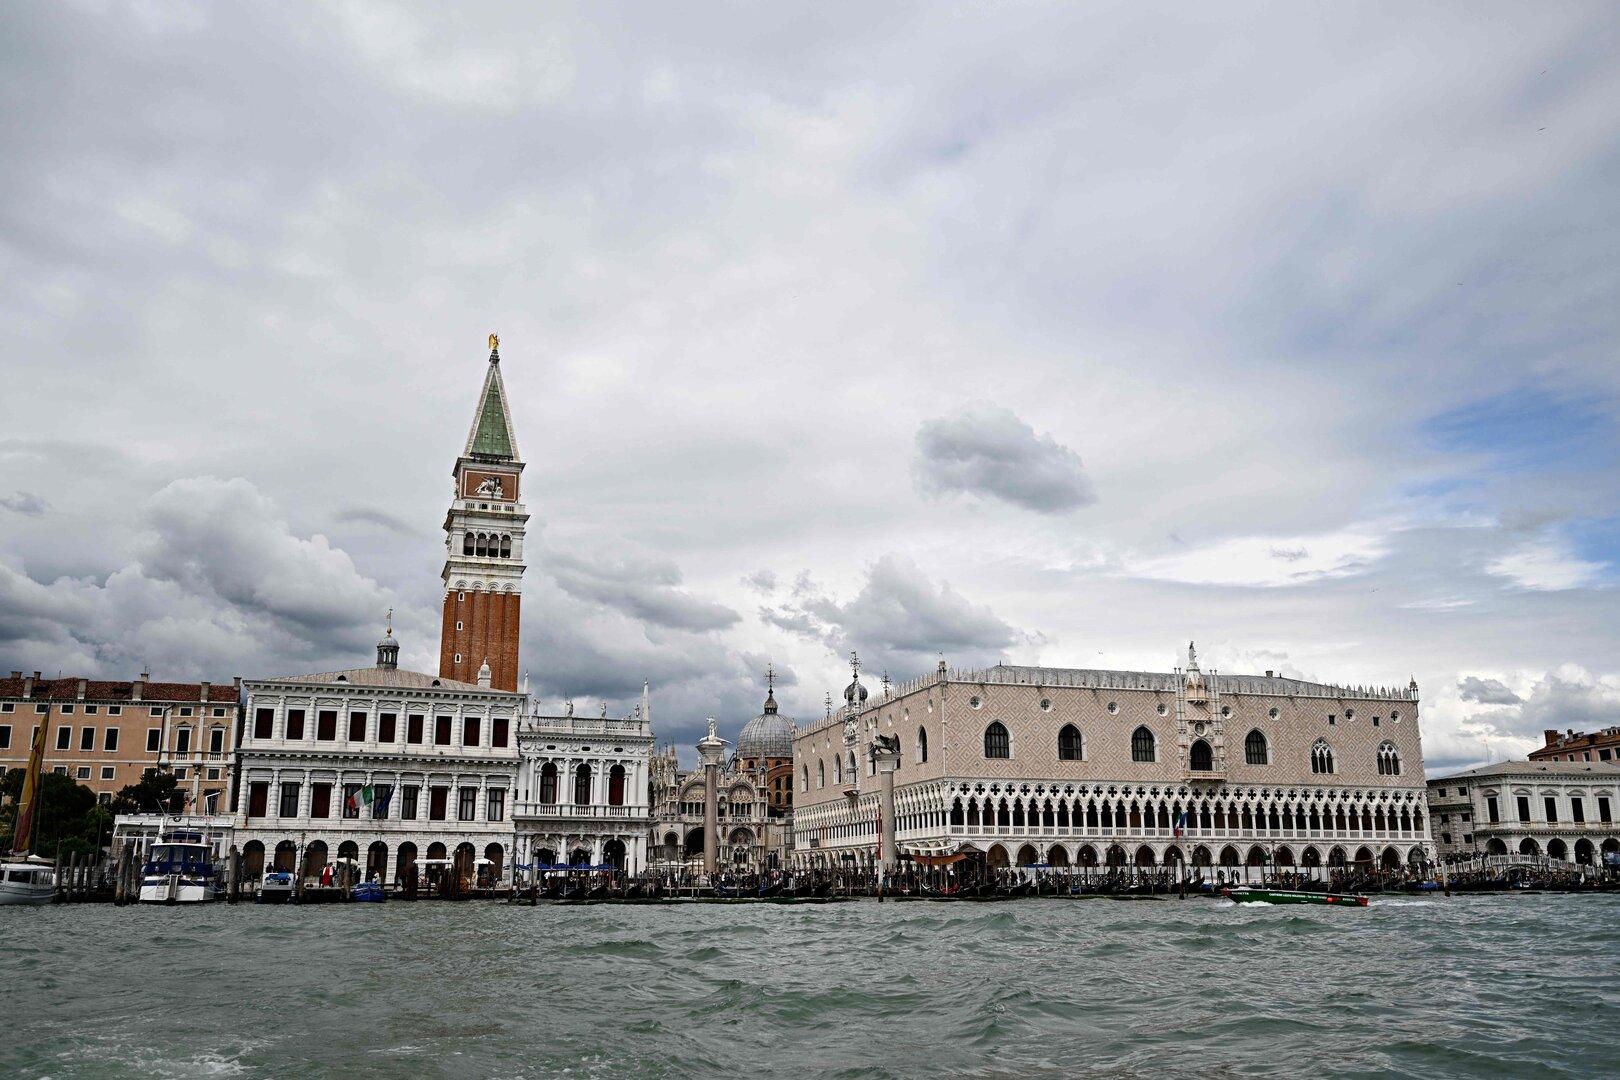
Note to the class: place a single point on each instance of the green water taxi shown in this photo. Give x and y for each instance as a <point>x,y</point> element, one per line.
<point>1245,894</point>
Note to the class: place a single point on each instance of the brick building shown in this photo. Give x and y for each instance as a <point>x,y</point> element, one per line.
<point>1579,746</point>
<point>483,568</point>
<point>106,734</point>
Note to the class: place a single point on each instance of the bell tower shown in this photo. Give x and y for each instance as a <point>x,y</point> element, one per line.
<point>483,566</point>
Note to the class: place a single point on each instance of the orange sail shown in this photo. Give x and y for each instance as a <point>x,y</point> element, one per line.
<point>22,839</point>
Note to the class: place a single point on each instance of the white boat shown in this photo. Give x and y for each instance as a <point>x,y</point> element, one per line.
<point>27,880</point>
<point>276,888</point>
<point>179,870</point>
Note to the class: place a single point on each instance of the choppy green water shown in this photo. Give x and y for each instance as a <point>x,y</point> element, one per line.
<point>1489,986</point>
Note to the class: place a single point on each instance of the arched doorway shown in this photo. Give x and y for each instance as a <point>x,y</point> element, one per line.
<point>1583,851</point>
<point>694,843</point>
<point>1256,857</point>
<point>1310,858</point>
<point>495,863</point>
<point>579,857</point>
<point>1610,846</point>
<point>286,857</point>
<point>613,853</point>
<point>741,843</point>
<point>1144,856</point>
<point>314,859</point>
<point>1364,857</point>
<point>1229,856</point>
<point>672,846</point>
<point>1336,857</point>
<point>1115,856</point>
<point>1527,846</point>
<point>1087,855</point>
<point>466,857</point>
<point>1201,856</point>
<point>377,861</point>
<point>997,857</point>
<point>1556,849</point>
<point>545,857</point>
<point>349,855</point>
<point>253,860</point>
<point>435,872</point>
<point>1495,846</point>
<point>1027,855</point>
<point>405,862</point>
<point>1057,855</point>
<point>1285,856</point>
<point>1391,859</point>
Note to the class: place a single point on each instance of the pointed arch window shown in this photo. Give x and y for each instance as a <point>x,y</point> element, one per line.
<point>838,768</point>
<point>1202,758</point>
<point>821,774</point>
<point>996,742</point>
<point>1389,760</point>
<point>1070,746</point>
<point>922,746</point>
<point>1255,749</point>
<point>1143,746</point>
<point>1321,757</point>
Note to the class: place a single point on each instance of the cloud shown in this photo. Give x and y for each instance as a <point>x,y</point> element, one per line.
<point>900,619</point>
<point>382,519</point>
<point>1546,565</point>
<point>1487,691</point>
<point>643,587</point>
<point>25,503</point>
<point>763,581</point>
<point>989,451</point>
<point>1263,561</point>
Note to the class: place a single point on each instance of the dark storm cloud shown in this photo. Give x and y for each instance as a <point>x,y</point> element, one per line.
<point>989,451</point>
<point>25,503</point>
<point>647,589</point>
<point>1486,691</point>
<point>900,620</point>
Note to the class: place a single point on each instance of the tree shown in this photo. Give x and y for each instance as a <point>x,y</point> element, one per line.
<point>157,791</point>
<point>66,819</point>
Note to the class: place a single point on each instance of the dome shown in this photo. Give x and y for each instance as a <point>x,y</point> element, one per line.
<point>855,693</point>
<point>767,735</point>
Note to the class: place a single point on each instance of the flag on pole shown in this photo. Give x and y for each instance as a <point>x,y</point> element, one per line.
<point>379,806</point>
<point>361,798</point>
<point>1181,824</point>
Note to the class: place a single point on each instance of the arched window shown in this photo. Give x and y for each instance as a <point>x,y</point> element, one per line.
<point>804,778</point>
<point>821,774</point>
<point>996,743</point>
<point>1255,751</point>
<point>1203,760</point>
<point>838,768</point>
<point>1070,747</point>
<point>616,786</point>
<point>548,784</point>
<point>466,543</point>
<point>922,745</point>
<point>506,547</point>
<point>1389,760</point>
<point>480,545</point>
<point>1142,745</point>
<point>1321,757</point>
<point>582,786</point>
<point>849,768</point>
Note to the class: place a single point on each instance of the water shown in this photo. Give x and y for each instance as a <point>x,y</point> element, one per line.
<point>1478,986</point>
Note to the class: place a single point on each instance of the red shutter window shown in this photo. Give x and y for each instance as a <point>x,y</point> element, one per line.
<point>357,727</point>
<point>385,727</point>
<point>258,798</point>
<point>437,798</point>
<point>498,731</point>
<point>264,723</point>
<point>295,723</point>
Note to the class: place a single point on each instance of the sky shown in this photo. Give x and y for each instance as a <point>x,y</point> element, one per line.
<point>1057,334</point>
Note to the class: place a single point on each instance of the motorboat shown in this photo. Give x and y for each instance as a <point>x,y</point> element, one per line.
<point>27,880</point>
<point>179,870</point>
<point>1245,894</point>
<point>369,892</point>
<point>276,888</point>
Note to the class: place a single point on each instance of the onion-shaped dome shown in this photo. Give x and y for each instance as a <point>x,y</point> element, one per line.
<point>767,735</point>
<point>855,693</point>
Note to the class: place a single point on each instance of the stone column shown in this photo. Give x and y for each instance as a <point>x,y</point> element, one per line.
<point>711,749</point>
<point>886,754</point>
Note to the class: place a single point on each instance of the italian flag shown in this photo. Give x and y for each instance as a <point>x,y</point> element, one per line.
<point>361,798</point>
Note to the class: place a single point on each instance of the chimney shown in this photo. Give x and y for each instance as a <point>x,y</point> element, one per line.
<point>205,685</point>
<point>137,687</point>
<point>83,685</point>
<point>1550,735</point>
<point>28,685</point>
<point>1268,673</point>
<point>16,674</point>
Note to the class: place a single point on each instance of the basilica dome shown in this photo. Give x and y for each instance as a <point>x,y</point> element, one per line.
<point>768,735</point>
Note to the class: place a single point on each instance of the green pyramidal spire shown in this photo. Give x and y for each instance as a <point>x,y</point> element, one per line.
<point>491,435</point>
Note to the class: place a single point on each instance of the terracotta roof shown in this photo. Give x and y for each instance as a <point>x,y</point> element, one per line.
<point>104,690</point>
<point>387,678</point>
